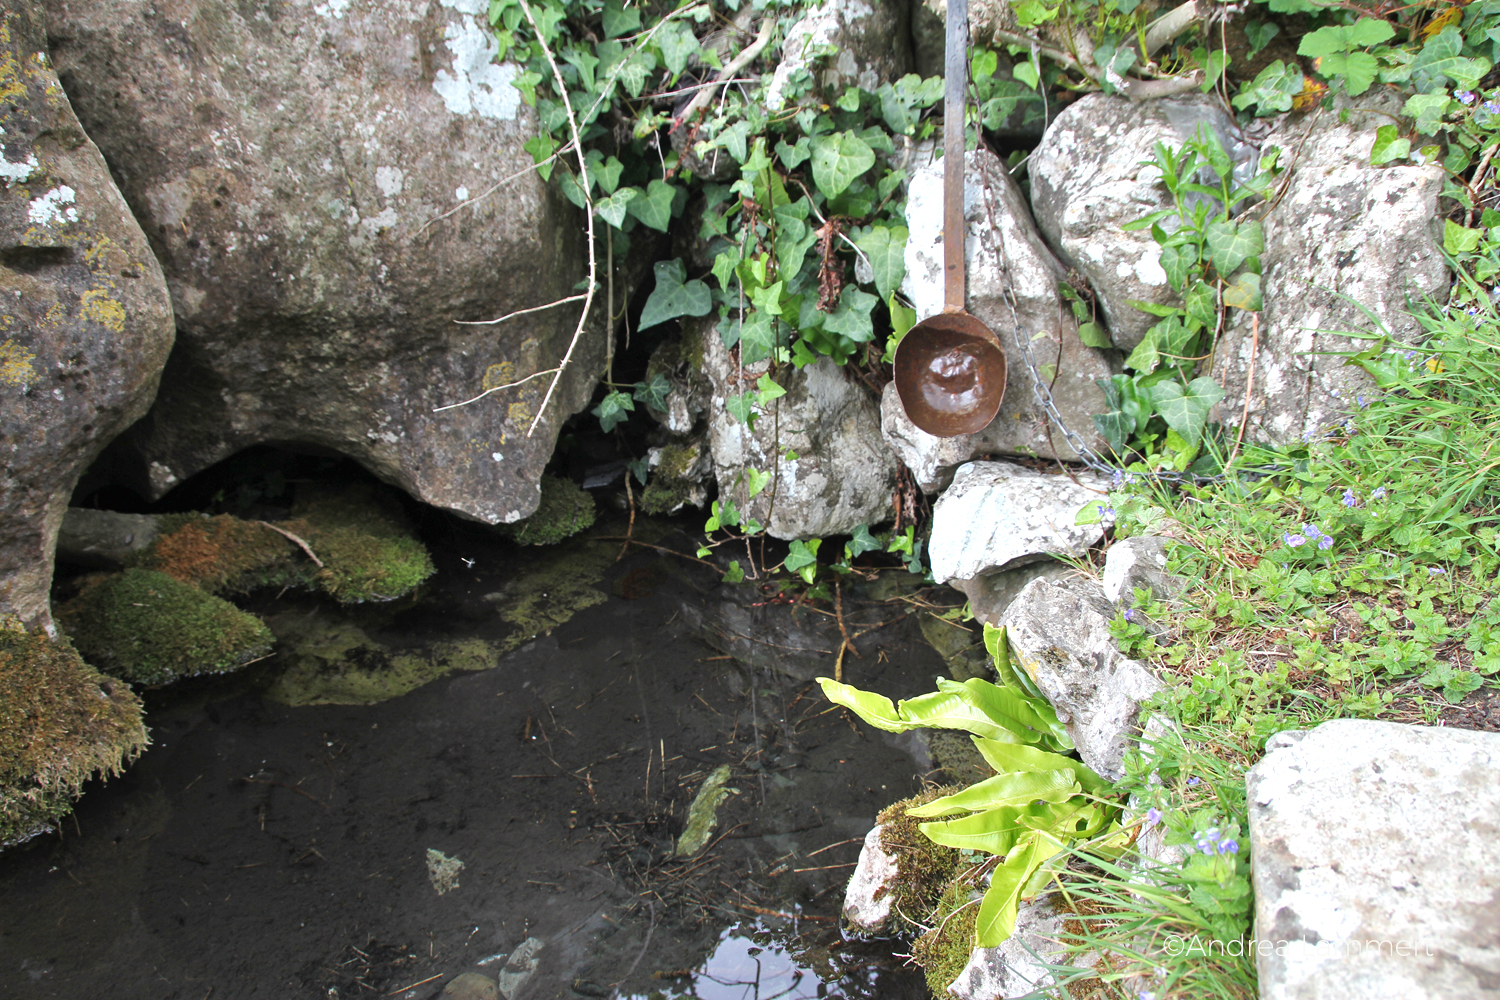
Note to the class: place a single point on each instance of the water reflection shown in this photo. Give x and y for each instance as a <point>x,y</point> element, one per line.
<point>752,962</point>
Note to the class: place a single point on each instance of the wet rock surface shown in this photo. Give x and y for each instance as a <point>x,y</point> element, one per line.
<point>286,161</point>
<point>1005,255</point>
<point>1354,894</point>
<point>86,317</point>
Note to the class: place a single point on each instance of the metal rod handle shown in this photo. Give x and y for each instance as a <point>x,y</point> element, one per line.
<point>955,79</point>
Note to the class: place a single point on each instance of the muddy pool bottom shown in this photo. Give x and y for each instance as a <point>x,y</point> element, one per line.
<point>519,820</point>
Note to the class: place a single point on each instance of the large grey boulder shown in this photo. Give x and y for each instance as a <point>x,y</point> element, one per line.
<point>85,319</point>
<point>845,43</point>
<point>1059,633</point>
<point>843,474</point>
<point>1004,254</point>
<point>1376,863</point>
<point>1346,236</point>
<point>989,594</point>
<point>1088,180</point>
<point>289,163</point>
<point>998,515</point>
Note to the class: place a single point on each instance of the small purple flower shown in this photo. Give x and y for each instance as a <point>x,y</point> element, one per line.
<point>1436,571</point>
<point>1228,846</point>
<point>1194,780</point>
<point>1293,541</point>
<point>1325,543</point>
<point>1378,494</point>
<point>1313,531</point>
<point>1464,96</point>
<point>1132,615</point>
<point>1361,400</point>
<point>1491,107</point>
<point>1349,500</point>
<point>1146,995</point>
<point>1153,816</point>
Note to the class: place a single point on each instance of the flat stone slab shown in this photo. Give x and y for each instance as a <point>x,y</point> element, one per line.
<point>1376,851</point>
<point>998,516</point>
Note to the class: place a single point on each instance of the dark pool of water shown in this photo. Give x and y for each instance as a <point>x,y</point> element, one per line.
<point>260,850</point>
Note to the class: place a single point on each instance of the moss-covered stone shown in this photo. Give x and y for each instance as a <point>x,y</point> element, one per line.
<point>147,627</point>
<point>565,510</point>
<point>943,951</point>
<point>364,541</point>
<point>332,661</point>
<point>925,868</point>
<point>61,723</point>
<point>676,479</point>
<point>222,554</point>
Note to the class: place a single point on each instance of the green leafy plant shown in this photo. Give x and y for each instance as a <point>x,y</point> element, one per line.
<point>1037,804</point>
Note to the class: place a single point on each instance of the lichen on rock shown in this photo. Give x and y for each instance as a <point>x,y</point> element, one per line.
<point>147,627</point>
<point>61,723</point>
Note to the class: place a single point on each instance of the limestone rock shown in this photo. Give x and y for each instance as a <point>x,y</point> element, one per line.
<point>997,516</point>
<point>1140,561</point>
<point>520,967</point>
<point>471,986</point>
<point>872,45</point>
<point>1376,865</point>
<point>867,901</point>
<point>1087,181</point>
<point>843,475</point>
<point>286,161</point>
<point>87,322</point>
<point>1004,253</point>
<point>1343,228</point>
<point>1013,969</point>
<point>1059,632</point>
<point>104,539</point>
<point>991,593</point>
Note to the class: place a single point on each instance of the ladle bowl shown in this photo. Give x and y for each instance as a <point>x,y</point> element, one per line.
<point>950,374</point>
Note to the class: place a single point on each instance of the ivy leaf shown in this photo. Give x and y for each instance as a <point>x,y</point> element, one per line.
<point>613,410</point>
<point>1093,335</point>
<point>1260,34</point>
<point>724,266</point>
<point>1427,109</point>
<point>852,317</point>
<point>1186,410</point>
<point>1389,145</point>
<point>1273,88</point>
<point>1442,59</point>
<point>803,558</point>
<point>757,338</point>
<point>606,174</point>
<point>1457,239</point>
<point>793,157</point>
<point>654,208</point>
<point>541,147</point>
<point>756,481</point>
<point>1244,293</point>
<point>1178,262</point>
<point>678,44</point>
<point>837,160</point>
<point>742,408</point>
<point>886,249</point>
<point>860,542</point>
<point>673,296</point>
<point>735,573</point>
<point>612,209</point>
<point>767,390</point>
<point>620,20</point>
<point>654,393</point>
<point>1230,243</point>
<point>1202,305</point>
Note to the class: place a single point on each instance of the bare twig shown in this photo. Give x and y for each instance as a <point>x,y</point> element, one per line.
<point>746,57</point>
<point>519,312</point>
<point>588,205</point>
<point>497,388</point>
<point>299,542</point>
<point>1249,387</point>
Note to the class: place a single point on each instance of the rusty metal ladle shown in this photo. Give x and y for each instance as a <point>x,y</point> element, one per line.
<point>950,368</point>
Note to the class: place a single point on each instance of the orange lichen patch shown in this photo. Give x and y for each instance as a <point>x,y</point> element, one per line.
<point>61,723</point>
<point>221,554</point>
